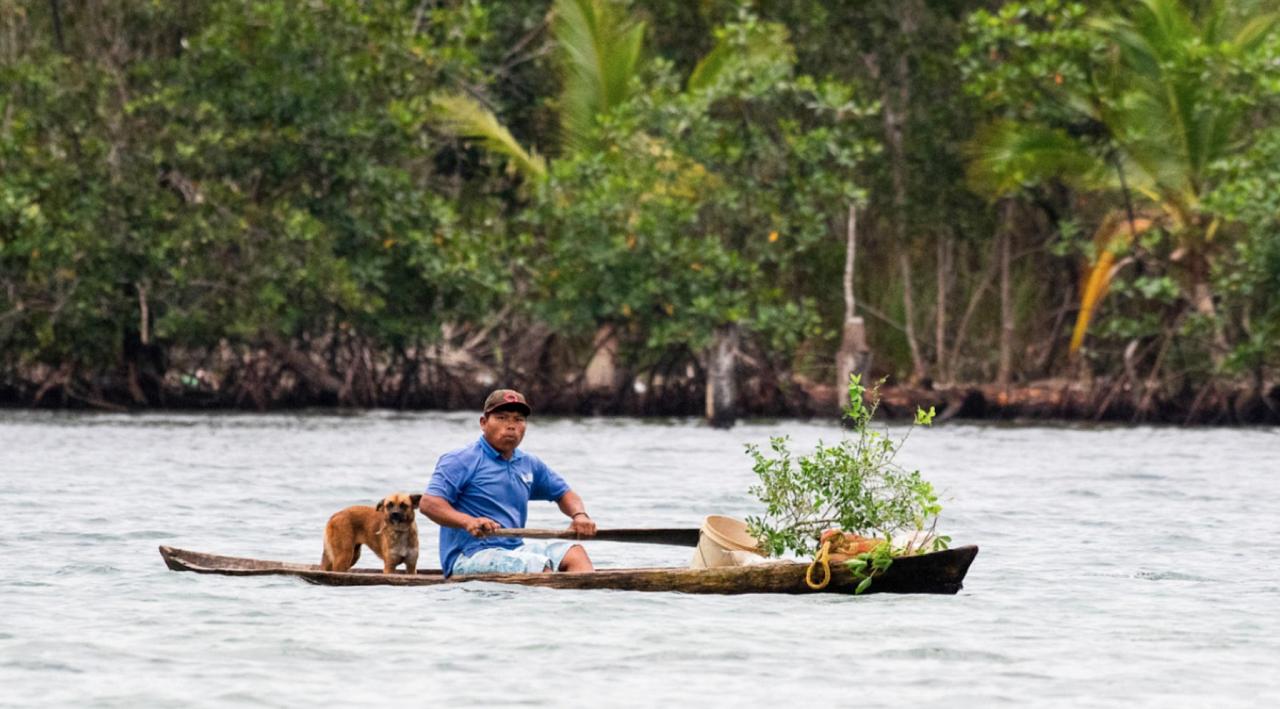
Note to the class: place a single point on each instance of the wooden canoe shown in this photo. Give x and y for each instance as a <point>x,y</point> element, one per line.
<point>938,572</point>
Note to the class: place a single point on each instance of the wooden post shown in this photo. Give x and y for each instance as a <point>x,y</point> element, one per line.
<point>722,366</point>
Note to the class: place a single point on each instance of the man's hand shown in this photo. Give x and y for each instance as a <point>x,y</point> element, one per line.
<point>481,526</point>
<point>583,526</point>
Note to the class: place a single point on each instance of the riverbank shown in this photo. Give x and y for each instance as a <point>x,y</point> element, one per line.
<point>284,387</point>
<point>1213,404</point>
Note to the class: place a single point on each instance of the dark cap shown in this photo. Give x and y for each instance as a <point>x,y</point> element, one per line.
<point>506,399</point>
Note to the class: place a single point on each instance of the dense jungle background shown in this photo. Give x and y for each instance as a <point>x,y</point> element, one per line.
<point>660,207</point>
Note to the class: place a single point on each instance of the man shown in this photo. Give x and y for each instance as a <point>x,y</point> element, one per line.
<point>487,486</point>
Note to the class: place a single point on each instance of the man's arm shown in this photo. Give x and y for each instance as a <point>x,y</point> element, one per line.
<point>573,508</point>
<point>438,510</point>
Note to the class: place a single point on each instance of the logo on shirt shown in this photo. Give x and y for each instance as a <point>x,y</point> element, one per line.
<point>527,477</point>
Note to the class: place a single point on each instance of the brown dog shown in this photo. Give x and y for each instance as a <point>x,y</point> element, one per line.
<point>388,529</point>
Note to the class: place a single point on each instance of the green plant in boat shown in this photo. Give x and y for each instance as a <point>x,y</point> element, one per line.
<point>855,485</point>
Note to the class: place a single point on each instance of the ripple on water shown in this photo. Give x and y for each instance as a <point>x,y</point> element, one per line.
<point>30,664</point>
<point>698,654</point>
<point>158,534</point>
<point>1140,476</point>
<point>86,570</point>
<point>85,538</point>
<point>933,652</point>
<point>1171,576</point>
<point>24,583</point>
<point>488,591</point>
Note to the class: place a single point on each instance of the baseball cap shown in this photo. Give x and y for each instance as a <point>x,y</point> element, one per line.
<point>507,399</point>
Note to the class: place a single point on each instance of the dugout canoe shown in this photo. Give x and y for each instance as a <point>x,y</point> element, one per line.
<point>937,572</point>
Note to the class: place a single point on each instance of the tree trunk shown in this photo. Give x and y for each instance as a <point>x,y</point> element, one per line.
<point>1005,371</point>
<point>602,375</point>
<point>135,388</point>
<point>57,26</point>
<point>722,366</point>
<point>895,91</point>
<point>144,314</point>
<point>940,315</point>
<point>919,372</point>
<point>320,381</point>
<point>854,356</point>
<point>1202,302</point>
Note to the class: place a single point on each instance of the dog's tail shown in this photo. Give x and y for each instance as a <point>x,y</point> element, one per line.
<point>326,555</point>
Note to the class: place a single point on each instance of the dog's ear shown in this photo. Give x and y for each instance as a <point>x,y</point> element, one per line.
<point>381,504</point>
<point>416,500</point>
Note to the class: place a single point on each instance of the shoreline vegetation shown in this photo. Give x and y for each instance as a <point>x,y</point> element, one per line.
<point>262,380</point>
<point>1030,209</point>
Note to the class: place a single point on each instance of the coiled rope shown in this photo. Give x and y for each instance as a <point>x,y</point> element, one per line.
<point>824,559</point>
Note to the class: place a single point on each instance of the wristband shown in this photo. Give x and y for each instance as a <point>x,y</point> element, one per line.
<point>575,515</point>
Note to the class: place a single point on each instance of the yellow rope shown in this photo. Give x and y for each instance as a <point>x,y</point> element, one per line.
<point>823,557</point>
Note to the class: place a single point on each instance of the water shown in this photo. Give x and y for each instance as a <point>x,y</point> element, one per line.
<point>1119,567</point>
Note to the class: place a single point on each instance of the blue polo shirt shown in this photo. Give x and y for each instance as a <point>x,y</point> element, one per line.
<point>476,480</point>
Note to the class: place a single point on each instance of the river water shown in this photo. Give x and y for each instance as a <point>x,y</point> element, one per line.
<point>1119,567</point>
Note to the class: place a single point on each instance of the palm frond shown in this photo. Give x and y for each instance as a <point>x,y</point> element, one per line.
<point>1115,234</point>
<point>601,47</point>
<point>710,67</point>
<point>1007,157</point>
<point>756,51</point>
<point>465,117</point>
<point>1256,31</point>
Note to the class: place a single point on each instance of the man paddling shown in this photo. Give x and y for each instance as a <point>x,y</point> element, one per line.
<point>487,486</point>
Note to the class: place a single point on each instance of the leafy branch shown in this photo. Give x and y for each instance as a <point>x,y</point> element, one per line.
<point>855,486</point>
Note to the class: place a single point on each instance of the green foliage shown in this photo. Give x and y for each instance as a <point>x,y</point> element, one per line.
<point>689,217</point>
<point>217,175</point>
<point>268,175</point>
<point>1135,105</point>
<point>1248,276</point>
<point>1032,61</point>
<point>307,126</point>
<point>869,564</point>
<point>1159,86</point>
<point>855,485</point>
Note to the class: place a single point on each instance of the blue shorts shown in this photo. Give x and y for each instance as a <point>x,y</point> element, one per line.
<point>528,558</point>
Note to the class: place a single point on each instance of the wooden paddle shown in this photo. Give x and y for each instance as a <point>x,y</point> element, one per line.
<point>675,537</point>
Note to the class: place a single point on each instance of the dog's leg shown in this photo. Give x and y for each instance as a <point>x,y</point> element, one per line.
<point>341,562</point>
<point>355,555</point>
<point>386,553</point>
<point>411,564</point>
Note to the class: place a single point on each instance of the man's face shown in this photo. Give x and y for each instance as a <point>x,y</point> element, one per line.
<point>503,430</point>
